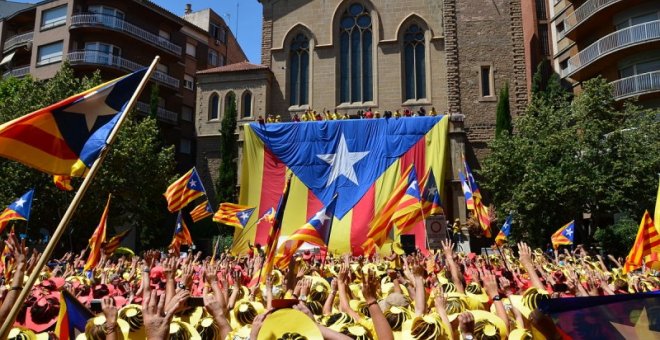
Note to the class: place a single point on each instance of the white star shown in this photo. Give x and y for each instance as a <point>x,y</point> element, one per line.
<point>321,216</point>
<point>243,215</point>
<point>569,232</point>
<point>20,202</point>
<point>433,190</point>
<point>193,183</point>
<point>93,106</point>
<point>342,162</point>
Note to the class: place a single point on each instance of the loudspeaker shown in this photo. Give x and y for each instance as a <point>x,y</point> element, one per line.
<point>408,244</point>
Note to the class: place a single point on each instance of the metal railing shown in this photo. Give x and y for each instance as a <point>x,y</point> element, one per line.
<point>613,42</point>
<point>119,24</point>
<point>17,72</point>
<point>18,40</point>
<point>102,58</point>
<point>161,113</point>
<point>636,85</point>
<point>584,12</point>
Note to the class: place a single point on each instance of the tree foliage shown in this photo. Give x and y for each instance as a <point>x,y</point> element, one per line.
<point>503,117</point>
<point>137,170</point>
<point>228,172</point>
<point>571,156</point>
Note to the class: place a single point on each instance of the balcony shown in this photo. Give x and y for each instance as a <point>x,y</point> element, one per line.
<point>18,40</point>
<point>584,12</point>
<point>118,24</point>
<point>17,72</point>
<point>162,114</point>
<point>636,85</point>
<point>108,60</point>
<point>619,40</point>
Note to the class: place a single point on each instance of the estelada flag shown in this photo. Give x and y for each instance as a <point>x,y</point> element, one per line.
<point>67,137</point>
<point>563,236</point>
<point>431,202</point>
<point>184,190</point>
<point>232,214</point>
<point>72,316</point>
<point>316,231</point>
<point>360,160</point>
<point>114,242</point>
<point>504,233</point>
<point>97,239</point>
<point>18,210</point>
<point>202,211</point>
<point>647,242</point>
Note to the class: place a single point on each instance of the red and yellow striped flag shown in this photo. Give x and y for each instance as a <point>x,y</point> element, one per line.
<point>380,226</point>
<point>275,231</point>
<point>202,211</point>
<point>97,239</point>
<point>183,191</point>
<point>647,242</point>
<point>361,160</point>
<point>114,242</point>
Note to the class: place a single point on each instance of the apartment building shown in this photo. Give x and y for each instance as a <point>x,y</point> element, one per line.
<point>617,39</point>
<point>118,37</point>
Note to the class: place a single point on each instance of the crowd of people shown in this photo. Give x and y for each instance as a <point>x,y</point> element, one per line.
<point>313,115</point>
<point>443,295</point>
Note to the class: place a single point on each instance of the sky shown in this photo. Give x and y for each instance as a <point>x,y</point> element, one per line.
<point>245,13</point>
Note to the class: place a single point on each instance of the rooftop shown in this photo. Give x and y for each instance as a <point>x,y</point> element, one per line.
<point>8,8</point>
<point>238,67</point>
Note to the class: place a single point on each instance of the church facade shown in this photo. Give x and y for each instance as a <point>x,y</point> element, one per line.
<point>349,56</point>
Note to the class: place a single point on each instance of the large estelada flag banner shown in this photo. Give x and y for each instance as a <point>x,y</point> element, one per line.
<point>359,160</point>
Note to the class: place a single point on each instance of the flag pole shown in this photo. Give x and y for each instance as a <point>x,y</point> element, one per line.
<point>54,240</point>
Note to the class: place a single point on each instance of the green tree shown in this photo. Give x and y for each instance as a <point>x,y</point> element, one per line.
<point>503,117</point>
<point>571,156</point>
<point>228,172</point>
<point>137,170</point>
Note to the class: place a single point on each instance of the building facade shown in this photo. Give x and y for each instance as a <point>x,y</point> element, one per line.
<point>118,37</point>
<point>453,56</point>
<point>616,39</point>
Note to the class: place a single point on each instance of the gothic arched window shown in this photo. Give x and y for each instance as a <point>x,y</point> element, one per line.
<point>414,59</point>
<point>355,63</point>
<point>299,70</point>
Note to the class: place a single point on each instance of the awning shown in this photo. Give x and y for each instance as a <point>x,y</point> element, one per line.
<point>7,58</point>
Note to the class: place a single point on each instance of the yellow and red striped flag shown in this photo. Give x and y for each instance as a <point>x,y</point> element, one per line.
<point>564,236</point>
<point>409,211</point>
<point>181,235</point>
<point>431,203</point>
<point>316,231</point>
<point>232,214</point>
<point>184,190</point>
<point>114,242</point>
<point>647,242</point>
<point>380,226</point>
<point>97,239</point>
<point>202,211</point>
<point>361,160</point>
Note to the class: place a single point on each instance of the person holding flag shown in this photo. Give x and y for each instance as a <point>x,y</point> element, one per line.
<point>564,236</point>
<point>19,210</point>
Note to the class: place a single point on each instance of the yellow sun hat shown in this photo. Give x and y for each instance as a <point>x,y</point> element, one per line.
<point>132,314</point>
<point>183,330</point>
<point>487,325</point>
<point>287,323</point>
<point>529,301</point>
<point>21,333</point>
<point>95,326</point>
<point>424,327</point>
<point>244,313</point>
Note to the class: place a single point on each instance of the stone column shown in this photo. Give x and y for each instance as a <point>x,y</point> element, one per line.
<point>457,140</point>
